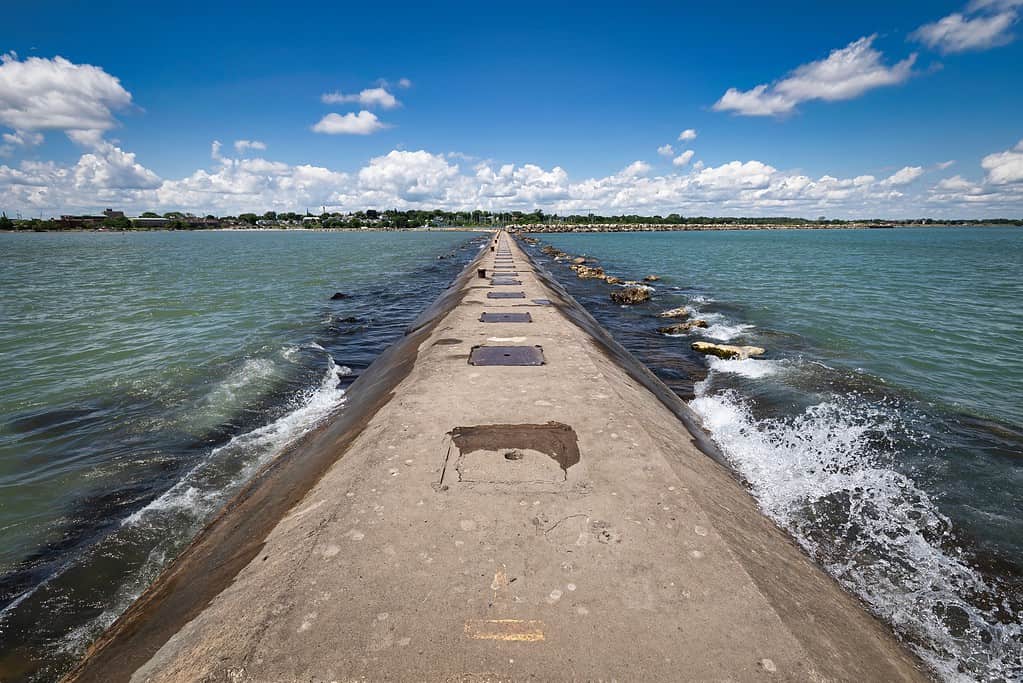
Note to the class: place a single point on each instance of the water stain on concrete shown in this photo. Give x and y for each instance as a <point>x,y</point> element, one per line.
<point>554,439</point>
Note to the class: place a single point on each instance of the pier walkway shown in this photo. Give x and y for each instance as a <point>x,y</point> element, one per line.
<point>513,504</point>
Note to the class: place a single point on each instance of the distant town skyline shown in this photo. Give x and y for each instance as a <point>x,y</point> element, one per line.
<point>874,110</point>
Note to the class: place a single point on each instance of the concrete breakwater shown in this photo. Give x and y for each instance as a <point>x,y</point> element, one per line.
<point>509,495</point>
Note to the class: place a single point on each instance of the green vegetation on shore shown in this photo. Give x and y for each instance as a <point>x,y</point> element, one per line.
<point>395,219</point>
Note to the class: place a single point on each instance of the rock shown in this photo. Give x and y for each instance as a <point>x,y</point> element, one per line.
<point>682,328</point>
<point>651,278</point>
<point>338,295</point>
<point>727,350</point>
<point>680,312</point>
<point>630,295</point>
<point>612,280</point>
<point>586,272</point>
<point>578,260</point>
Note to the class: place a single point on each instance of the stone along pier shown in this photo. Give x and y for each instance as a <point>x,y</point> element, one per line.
<point>508,496</point>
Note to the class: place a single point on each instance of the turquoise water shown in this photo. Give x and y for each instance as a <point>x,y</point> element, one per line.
<point>884,426</point>
<point>146,376</point>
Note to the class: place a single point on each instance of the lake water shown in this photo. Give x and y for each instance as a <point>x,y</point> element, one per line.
<point>884,426</point>
<point>146,376</point>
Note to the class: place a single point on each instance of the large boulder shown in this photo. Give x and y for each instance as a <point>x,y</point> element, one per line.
<point>680,312</point>
<point>682,328</point>
<point>612,280</point>
<point>727,350</point>
<point>587,272</point>
<point>651,278</point>
<point>578,260</point>
<point>338,295</point>
<point>630,295</point>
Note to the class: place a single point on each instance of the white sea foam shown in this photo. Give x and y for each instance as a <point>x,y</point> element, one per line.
<point>746,367</point>
<point>250,450</point>
<point>235,388</point>
<point>725,331</point>
<point>826,464</point>
<point>198,494</point>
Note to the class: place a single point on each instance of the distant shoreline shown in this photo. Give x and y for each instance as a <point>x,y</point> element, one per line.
<point>671,227</point>
<point>565,228</point>
<point>248,229</point>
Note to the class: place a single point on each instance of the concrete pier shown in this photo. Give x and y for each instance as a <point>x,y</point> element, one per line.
<point>508,497</point>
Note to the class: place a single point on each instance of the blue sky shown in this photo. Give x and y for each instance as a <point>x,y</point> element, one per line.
<point>571,97</point>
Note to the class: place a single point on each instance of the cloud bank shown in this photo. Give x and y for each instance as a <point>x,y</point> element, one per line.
<point>106,175</point>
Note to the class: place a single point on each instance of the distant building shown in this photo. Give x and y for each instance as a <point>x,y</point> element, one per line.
<point>86,221</point>
<point>82,221</point>
<point>150,222</point>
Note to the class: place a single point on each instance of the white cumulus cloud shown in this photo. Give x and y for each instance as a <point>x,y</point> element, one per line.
<point>242,146</point>
<point>636,168</point>
<point>1004,168</point>
<point>959,33</point>
<point>370,97</point>
<point>666,150</point>
<point>904,176</point>
<point>687,135</point>
<point>845,74</point>
<point>683,158</point>
<point>363,123</point>
<point>40,94</point>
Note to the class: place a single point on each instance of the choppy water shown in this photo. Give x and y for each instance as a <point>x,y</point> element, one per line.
<point>884,427</point>
<point>145,377</point>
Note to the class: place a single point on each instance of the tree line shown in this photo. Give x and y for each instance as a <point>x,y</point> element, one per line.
<point>415,218</point>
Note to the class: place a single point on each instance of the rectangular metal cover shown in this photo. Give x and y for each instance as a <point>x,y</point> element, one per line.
<point>506,318</point>
<point>506,355</point>
<point>505,281</point>
<point>506,295</point>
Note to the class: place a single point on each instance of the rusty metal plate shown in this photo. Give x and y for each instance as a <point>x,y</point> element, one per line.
<point>506,318</point>
<point>505,281</point>
<point>506,295</point>
<point>506,355</point>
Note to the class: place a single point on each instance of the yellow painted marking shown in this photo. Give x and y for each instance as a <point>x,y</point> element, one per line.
<point>519,630</point>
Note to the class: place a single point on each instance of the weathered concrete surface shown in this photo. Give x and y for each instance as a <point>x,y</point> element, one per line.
<point>454,542</point>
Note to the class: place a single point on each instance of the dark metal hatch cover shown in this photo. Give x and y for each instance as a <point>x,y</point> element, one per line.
<point>506,355</point>
<point>506,318</point>
<point>506,295</point>
<point>543,302</point>
<point>505,281</point>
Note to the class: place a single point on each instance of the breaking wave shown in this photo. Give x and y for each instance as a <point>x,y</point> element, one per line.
<point>178,514</point>
<point>826,476</point>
